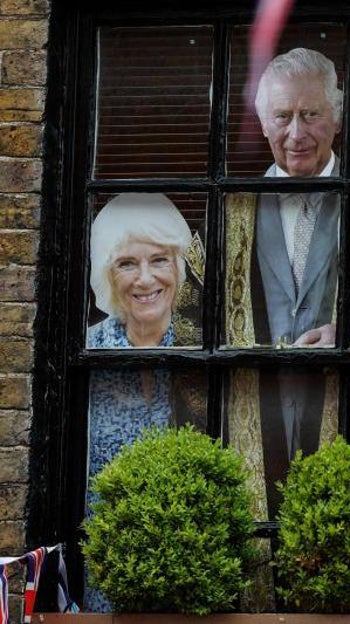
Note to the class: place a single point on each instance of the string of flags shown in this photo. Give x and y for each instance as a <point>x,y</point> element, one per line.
<point>34,561</point>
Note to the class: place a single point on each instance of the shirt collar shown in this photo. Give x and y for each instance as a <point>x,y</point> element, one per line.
<point>280,173</point>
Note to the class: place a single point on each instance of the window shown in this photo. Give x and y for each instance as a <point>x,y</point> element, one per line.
<point>153,113</point>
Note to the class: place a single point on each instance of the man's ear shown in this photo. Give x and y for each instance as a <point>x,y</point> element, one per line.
<point>264,130</point>
<point>338,126</point>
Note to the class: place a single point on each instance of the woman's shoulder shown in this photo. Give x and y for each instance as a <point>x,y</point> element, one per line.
<point>108,333</point>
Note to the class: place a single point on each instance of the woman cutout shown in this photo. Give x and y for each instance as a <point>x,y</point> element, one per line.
<point>138,246</point>
<point>139,243</point>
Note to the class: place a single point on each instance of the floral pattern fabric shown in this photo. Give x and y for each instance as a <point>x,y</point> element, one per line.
<point>121,405</point>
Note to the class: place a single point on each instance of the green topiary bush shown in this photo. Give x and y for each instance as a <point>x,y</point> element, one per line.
<point>172,528</point>
<point>313,559</point>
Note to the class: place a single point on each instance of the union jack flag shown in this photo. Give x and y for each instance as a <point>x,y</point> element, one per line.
<point>4,609</point>
<point>34,560</point>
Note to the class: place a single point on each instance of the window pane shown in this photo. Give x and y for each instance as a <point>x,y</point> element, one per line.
<point>281,269</point>
<point>270,415</point>
<point>153,101</point>
<point>123,403</point>
<point>248,152</point>
<point>147,270</point>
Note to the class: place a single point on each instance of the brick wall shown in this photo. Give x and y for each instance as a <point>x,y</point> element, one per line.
<point>23,36</point>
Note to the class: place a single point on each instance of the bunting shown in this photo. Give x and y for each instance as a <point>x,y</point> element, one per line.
<point>34,561</point>
<point>4,609</point>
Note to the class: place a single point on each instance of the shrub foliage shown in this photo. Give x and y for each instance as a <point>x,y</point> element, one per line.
<point>171,529</point>
<point>313,559</point>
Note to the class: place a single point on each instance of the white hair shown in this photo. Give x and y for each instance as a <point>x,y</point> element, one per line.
<point>146,217</point>
<point>299,62</point>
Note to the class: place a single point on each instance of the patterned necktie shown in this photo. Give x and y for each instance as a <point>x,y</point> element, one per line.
<point>304,227</point>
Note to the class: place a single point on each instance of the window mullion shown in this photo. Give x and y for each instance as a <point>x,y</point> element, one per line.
<point>217,144</point>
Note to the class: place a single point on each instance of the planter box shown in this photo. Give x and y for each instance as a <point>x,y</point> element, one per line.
<point>173,618</point>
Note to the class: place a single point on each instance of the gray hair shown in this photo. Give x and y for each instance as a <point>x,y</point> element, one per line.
<point>299,62</point>
<point>147,217</point>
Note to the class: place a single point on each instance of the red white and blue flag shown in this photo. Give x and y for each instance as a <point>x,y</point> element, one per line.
<point>34,561</point>
<point>4,603</point>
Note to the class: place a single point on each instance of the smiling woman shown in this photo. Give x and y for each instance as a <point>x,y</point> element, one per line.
<point>145,281</point>
<point>139,243</point>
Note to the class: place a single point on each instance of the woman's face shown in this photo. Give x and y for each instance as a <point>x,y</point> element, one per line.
<point>145,280</point>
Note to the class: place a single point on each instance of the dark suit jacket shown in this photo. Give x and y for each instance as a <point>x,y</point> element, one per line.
<point>278,312</point>
<point>291,400</point>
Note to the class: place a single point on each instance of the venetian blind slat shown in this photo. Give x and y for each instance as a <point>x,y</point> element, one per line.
<point>153,98</point>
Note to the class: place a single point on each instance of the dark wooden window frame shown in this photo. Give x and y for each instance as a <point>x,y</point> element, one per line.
<point>62,364</point>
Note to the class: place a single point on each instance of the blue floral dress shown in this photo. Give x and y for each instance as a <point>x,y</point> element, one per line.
<point>118,412</point>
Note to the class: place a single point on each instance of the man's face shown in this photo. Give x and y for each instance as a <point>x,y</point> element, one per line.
<point>299,124</point>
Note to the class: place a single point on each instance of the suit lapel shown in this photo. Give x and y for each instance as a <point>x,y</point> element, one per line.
<point>325,233</point>
<point>271,242</point>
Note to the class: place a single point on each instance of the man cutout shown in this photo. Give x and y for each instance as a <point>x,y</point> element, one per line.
<point>294,253</point>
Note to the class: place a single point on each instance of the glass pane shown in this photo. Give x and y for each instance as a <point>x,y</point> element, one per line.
<point>248,151</point>
<point>270,415</point>
<point>123,403</point>
<point>281,269</point>
<point>153,101</point>
<point>147,270</point>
